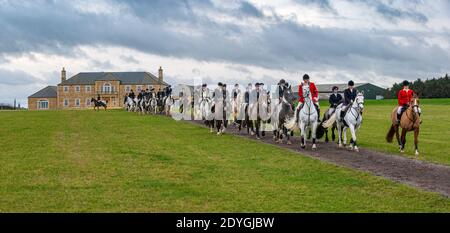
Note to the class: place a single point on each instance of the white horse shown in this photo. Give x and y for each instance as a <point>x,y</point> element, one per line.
<point>168,102</point>
<point>206,114</point>
<point>130,104</point>
<point>352,120</point>
<point>153,105</point>
<point>308,118</point>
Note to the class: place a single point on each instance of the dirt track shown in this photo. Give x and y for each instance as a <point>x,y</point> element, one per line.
<point>424,175</point>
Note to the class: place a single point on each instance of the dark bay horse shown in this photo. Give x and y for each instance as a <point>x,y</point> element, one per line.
<point>98,104</point>
<point>282,113</point>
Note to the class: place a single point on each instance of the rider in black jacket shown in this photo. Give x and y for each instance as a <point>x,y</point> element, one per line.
<point>349,96</point>
<point>335,98</point>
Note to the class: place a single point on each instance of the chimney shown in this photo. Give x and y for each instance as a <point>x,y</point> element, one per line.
<point>160,75</point>
<point>63,75</point>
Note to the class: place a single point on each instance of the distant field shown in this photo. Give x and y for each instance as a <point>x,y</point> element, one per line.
<point>115,161</point>
<point>434,132</point>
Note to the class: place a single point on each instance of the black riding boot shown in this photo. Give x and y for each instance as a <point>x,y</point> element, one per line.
<point>318,112</point>
<point>399,116</point>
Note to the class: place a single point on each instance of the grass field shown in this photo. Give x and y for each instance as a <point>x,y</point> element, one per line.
<point>434,132</point>
<point>85,161</point>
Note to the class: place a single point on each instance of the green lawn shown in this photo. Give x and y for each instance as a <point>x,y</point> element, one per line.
<point>85,161</point>
<point>434,135</point>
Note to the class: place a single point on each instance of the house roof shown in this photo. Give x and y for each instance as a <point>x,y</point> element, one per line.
<point>46,92</point>
<point>127,78</point>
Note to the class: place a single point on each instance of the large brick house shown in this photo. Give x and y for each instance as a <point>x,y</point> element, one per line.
<point>77,91</point>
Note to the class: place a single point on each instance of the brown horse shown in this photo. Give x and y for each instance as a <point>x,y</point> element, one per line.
<point>410,121</point>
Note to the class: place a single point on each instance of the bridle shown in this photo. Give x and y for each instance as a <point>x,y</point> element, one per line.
<point>415,110</point>
<point>358,108</point>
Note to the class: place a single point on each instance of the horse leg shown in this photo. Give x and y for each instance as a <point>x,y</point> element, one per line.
<point>339,135</point>
<point>353,132</point>
<point>303,137</point>
<point>397,135</point>
<point>416,141</point>
<point>344,132</point>
<point>257,128</point>
<point>313,131</point>
<point>403,139</point>
<point>333,136</point>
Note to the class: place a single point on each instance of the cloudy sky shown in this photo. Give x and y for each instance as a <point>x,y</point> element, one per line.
<point>377,41</point>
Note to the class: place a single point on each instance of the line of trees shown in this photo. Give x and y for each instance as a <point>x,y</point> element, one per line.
<point>430,88</point>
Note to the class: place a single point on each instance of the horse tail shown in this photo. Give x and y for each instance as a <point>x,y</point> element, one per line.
<point>390,134</point>
<point>291,124</point>
<point>327,124</point>
<point>320,131</point>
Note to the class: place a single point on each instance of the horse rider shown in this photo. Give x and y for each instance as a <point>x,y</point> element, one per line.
<point>404,98</point>
<point>146,93</point>
<point>335,98</point>
<point>205,92</point>
<point>280,86</point>
<point>247,93</point>
<point>255,93</point>
<point>349,97</point>
<point>314,95</point>
<point>140,95</point>
<point>235,92</point>
<point>224,93</point>
<point>168,90</point>
<point>131,95</point>
<point>159,97</point>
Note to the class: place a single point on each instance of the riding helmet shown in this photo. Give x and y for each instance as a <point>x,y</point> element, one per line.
<point>220,84</point>
<point>282,81</point>
<point>351,83</point>
<point>335,88</point>
<point>204,85</point>
<point>306,77</point>
<point>405,83</point>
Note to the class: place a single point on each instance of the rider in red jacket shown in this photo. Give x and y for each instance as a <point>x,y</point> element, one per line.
<point>314,94</point>
<point>404,97</point>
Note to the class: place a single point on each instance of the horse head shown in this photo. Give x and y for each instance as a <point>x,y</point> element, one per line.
<point>359,101</point>
<point>288,95</point>
<point>306,92</point>
<point>415,103</point>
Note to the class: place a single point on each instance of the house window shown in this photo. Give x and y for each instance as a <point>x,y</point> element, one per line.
<point>77,88</point>
<point>138,88</point>
<point>88,102</point>
<point>127,88</point>
<point>66,89</point>
<point>77,102</point>
<point>106,88</point>
<point>88,88</point>
<point>66,102</point>
<point>42,104</point>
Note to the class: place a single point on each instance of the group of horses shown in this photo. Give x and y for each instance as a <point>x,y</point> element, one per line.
<point>281,119</point>
<point>280,116</point>
<point>149,105</point>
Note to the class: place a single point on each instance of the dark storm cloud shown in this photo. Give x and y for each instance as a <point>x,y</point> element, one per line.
<point>154,27</point>
<point>394,13</point>
<point>16,77</point>
<point>250,10</point>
